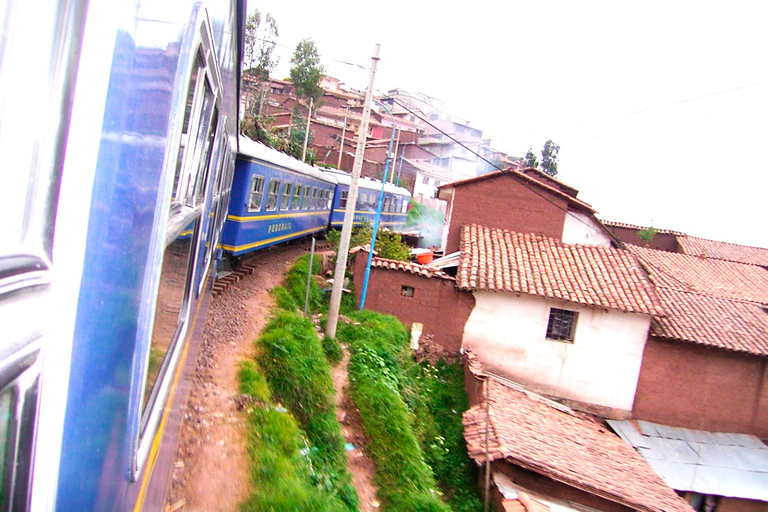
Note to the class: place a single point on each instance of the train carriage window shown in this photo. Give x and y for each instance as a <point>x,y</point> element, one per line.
<point>285,199</point>
<point>274,187</point>
<point>313,199</point>
<point>343,198</point>
<point>305,198</point>
<point>386,203</point>
<point>327,197</point>
<point>297,191</point>
<point>404,206</point>
<point>361,200</point>
<point>257,192</point>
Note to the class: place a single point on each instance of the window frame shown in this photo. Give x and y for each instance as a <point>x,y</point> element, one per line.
<point>558,322</point>
<point>343,197</point>
<point>285,196</point>
<point>253,193</point>
<point>273,195</point>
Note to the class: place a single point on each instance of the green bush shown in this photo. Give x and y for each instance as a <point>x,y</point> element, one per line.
<point>388,244</point>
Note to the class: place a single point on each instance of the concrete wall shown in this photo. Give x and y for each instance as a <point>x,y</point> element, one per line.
<point>600,368</point>
<point>436,302</point>
<point>661,241</point>
<point>505,202</point>
<point>580,228</point>
<point>687,385</point>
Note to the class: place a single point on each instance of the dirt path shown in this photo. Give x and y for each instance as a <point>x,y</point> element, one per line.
<point>211,469</point>
<point>359,464</point>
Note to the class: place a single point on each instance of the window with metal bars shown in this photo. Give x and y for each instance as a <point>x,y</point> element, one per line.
<point>562,325</point>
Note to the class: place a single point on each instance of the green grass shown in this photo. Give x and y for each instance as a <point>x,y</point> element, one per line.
<point>281,475</point>
<point>293,361</point>
<point>377,381</point>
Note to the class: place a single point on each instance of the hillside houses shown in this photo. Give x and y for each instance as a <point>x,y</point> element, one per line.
<point>425,153</point>
<point>668,336</point>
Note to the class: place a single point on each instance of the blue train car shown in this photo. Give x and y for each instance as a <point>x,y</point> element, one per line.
<point>275,198</point>
<point>394,209</point>
<point>121,139</point>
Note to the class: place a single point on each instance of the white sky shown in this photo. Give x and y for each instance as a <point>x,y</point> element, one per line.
<point>660,107</point>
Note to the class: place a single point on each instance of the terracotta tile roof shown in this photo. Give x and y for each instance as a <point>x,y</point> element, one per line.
<point>503,260</point>
<point>723,251</point>
<point>569,196</point>
<point>576,450</point>
<point>403,266</point>
<point>413,268</point>
<point>711,277</point>
<point>709,302</point>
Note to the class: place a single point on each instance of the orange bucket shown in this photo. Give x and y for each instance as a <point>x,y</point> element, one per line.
<point>425,257</point>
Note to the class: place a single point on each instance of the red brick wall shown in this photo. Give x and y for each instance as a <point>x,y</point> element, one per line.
<point>436,302</point>
<point>687,385</point>
<point>505,202</point>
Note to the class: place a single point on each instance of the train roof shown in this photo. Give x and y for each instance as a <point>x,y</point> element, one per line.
<point>258,151</point>
<point>345,178</point>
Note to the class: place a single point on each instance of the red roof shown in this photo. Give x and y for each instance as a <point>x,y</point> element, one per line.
<point>557,188</point>
<point>710,302</point>
<point>723,251</point>
<point>576,450</point>
<point>502,260</point>
<point>413,268</point>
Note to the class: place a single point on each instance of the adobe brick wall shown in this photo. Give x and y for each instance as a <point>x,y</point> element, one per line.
<point>662,241</point>
<point>740,505</point>
<point>687,385</point>
<point>505,202</point>
<point>436,302</point>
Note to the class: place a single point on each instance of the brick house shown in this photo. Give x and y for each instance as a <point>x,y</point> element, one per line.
<point>527,201</point>
<point>705,364</point>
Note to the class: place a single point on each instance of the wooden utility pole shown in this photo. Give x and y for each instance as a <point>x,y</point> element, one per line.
<point>343,133</point>
<point>349,212</point>
<point>306,132</point>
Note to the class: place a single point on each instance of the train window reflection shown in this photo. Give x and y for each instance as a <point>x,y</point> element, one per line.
<point>6,427</point>
<point>274,186</point>
<point>296,203</point>
<point>171,308</point>
<point>286,198</point>
<point>257,191</point>
<point>305,199</point>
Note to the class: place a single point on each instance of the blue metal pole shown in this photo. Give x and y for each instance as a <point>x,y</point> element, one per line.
<point>378,209</point>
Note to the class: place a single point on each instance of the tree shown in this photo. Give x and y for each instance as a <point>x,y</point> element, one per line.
<point>259,45</point>
<point>530,159</point>
<point>549,158</point>
<point>306,70</point>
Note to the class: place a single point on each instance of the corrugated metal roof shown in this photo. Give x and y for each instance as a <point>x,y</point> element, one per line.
<point>717,463</point>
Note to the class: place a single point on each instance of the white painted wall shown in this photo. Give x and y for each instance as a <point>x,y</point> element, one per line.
<point>580,228</point>
<point>601,366</point>
<point>421,189</point>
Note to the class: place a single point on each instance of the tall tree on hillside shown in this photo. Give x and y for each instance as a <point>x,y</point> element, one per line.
<point>530,159</point>
<point>306,72</point>
<point>549,158</point>
<point>260,35</point>
<point>259,62</point>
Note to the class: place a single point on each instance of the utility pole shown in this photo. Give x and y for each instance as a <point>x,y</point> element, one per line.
<point>306,132</point>
<point>343,133</point>
<point>349,213</point>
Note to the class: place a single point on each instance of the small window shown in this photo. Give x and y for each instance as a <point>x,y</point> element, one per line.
<point>274,187</point>
<point>297,190</point>
<point>257,192</point>
<point>562,325</point>
<point>314,198</point>
<point>361,202</point>
<point>386,203</point>
<point>305,199</point>
<point>425,180</point>
<point>406,291</point>
<point>343,198</point>
<point>328,199</point>
<point>405,206</point>
<point>285,199</point>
